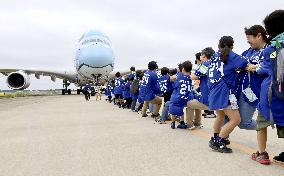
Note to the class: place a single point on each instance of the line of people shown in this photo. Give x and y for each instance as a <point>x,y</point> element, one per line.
<point>234,86</point>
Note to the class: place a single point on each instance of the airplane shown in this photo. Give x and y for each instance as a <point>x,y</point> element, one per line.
<point>94,61</point>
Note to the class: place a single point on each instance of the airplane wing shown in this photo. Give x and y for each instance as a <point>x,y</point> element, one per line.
<point>65,75</point>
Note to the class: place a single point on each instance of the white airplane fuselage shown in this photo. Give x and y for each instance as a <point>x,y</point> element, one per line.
<point>94,56</point>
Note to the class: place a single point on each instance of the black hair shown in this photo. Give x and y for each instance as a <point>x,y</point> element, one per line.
<point>208,52</point>
<point>117,74</point>
<point>138,73</point>
<point>141,75</point>
<point>187,66</point>
<point>132,68</point>
<point>165,71</point>
<point>197,57</point>
<point>152,65</point>
<point>257,29</point>
<point>225,45</point>
<point>131,79</point>
<point>274,23</point>
<point>180,67</point>
<point>173,71</point>
<point>126,79</point>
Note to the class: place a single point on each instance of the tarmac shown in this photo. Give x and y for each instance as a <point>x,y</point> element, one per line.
<point>67,136</point>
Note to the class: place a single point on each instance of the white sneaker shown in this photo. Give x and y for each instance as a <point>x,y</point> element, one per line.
<point>192,127</point>
<point>210,116</point>
<point>198,126</point>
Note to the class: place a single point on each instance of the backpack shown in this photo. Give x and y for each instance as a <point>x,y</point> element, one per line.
<point>277,59</point>
<point>134,87</point>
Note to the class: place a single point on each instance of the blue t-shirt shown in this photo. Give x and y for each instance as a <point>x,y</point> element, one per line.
<point>142,92</point>
<point>108,90</point>
<point>182,90</point>
<point>118,85</point>
<point>126,92</point>
<point>222,79</point>
<point>132,75</point>
<point>150,80</point>
<point>201,72</point>
<point>253,56</point>
<point>165,84</point>
<point>277,105</point>
<point>87,88</point>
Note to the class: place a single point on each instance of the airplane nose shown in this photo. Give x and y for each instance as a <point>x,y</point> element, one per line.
<point>96,56</point>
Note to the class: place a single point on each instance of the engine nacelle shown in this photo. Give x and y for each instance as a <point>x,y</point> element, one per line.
<point>18,80</point>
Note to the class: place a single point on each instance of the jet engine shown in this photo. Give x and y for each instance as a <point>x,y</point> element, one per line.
<point>18,80</point>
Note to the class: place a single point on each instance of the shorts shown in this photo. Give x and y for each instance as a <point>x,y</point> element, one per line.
<point>280,131</point>
<point>118,96</point>
<point>261,122</point>
<point>176,110</point>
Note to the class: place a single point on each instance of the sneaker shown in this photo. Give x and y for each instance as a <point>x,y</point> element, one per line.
<point>182,126</point>
<point>161,121</point>
<point>173,125</point>
<point>191,127</point>
<point>279,159</point>
<point>144,115</point>
<point>227,141</point>
<point>212,143</point>
<point>210,116</point>
<point>198,125</point>
<point>204,114</point>
<point>262,158</point>
<point>219,146</point>
<point>223,148</point>
<point>154,116</point>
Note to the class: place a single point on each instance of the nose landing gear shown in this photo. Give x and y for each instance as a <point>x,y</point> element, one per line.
<point>65,88</point>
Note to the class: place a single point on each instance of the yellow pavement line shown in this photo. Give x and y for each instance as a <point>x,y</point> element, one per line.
<point>245,149</point>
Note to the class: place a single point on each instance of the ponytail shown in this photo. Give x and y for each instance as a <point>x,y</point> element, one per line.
<point>225,45</point>
<point>224,54</point>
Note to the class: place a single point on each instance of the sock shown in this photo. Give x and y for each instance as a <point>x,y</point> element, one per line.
<point>216,135</point>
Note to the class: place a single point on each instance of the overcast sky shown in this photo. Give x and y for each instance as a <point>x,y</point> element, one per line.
<point>44,34</point>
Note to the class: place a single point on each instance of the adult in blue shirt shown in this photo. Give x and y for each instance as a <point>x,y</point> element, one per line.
<point>87,91</point>
<point>250,82</point>
<point>150,81</point>
<point>181,95</point>
<point>118,85</point>
<point>270,105</point>
<point>200,102</point>
<point>222,78</point>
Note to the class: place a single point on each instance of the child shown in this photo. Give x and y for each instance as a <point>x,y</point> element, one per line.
<point>181,94</point>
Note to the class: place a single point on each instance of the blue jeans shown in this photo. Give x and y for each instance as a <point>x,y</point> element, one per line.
<point>151,107</point>
<point>133,104</point>
<point>246,112</point>
<point>165,111</point>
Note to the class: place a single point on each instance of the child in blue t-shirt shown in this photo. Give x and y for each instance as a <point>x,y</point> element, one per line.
<point>200,101</point>
<point>222,76</point>
<point>150,82</point>
<point>181,95</point>
<point>126,94</point>
<point>118,85</point>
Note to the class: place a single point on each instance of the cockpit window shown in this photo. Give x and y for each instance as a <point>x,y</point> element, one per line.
<point>96,41</point>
